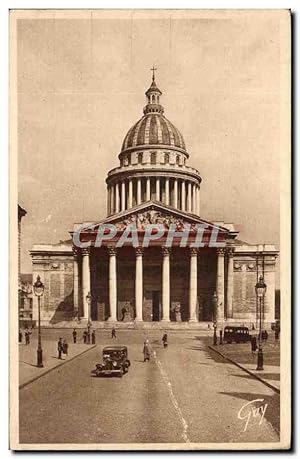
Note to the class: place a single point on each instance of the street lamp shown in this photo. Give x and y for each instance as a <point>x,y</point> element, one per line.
<point>215,302</point>
<point>260,289</point>
<point>38,288</point>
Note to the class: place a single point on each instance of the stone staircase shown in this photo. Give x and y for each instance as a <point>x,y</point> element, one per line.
<point>180,326</point>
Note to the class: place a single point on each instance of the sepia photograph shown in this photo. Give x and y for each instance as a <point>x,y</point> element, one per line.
<point>150,298</point>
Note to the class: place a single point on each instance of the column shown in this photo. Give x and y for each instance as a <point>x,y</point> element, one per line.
<point>157,189</point>
<point>167,191</point>
<point>139,191</point>
<point>86,281</point>
<point>175,200</point>
<point>189,197</point>
<point>75,282</point>
<point>198,200</point>
<point>148,189</point>
<point>123,196</point>
<point>193,288</point>
<point>130,194</point>
<point>108,200</point>
<point>166,284</point>
<point>112,200</point>
<point>229,293</point>
<point>183,195</point>
<point>117,198</point>
<point>138,284</point>
<point>220,285</point>
<point>194,199</point>
<point>112,284</point>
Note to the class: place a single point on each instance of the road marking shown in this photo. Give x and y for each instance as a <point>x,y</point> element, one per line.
<point>172,396</point>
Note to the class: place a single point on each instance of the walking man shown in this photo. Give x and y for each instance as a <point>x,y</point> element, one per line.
<point>74,336</point>
<point>27,336</point>
<point>94,337</point>
<point>113,333</point>
<point>60,348</point>
<point>146,351</point>
<point>84,336</point>
<point>65,347</point>
<point>165,340</point>
<point>253,344</point>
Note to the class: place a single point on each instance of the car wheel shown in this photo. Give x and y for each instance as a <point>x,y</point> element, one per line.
<point>120,374</point>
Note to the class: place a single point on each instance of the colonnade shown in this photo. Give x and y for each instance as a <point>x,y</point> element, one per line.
<point>182,194</point>
<point>165,283</point>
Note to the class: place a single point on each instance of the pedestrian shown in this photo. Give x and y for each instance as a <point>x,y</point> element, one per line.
<point>27,336</point>
<point>84,336</point>
<point>113,333</point>
<point>221,337</point>
<point>88,336</point>
<point>94,337</point>
<point>74,336</point>
<point>65,347</point>
<point>20,336</point>
<point>146,351</point>
<point>165,340</point>
<point>266,335</point>
<point>89,327</point>
<point>253,344</point>
<point>60,348</point>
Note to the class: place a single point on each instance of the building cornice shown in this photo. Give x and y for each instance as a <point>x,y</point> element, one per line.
<point>179,172</point>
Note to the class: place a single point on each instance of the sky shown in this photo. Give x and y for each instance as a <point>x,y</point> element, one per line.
<point>81,85</point>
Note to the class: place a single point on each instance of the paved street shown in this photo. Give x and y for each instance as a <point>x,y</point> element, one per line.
<point>186,393</point>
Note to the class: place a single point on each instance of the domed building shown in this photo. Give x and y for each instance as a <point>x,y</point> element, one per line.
<point>153,164</point>
<point>154,258</point>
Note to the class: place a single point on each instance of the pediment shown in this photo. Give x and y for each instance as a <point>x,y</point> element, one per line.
<point>154,213</point>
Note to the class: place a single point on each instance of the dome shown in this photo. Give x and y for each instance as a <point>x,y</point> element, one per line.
<point>153,129</point>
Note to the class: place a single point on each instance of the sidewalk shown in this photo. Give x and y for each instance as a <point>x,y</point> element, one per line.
<point>241,355</point>
<point>28,371</point>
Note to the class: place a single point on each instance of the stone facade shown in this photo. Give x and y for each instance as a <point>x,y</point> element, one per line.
<point>54,264</point>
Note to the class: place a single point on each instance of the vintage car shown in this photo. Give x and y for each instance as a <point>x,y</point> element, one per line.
<point>236,334</point>
<point>115,362</point>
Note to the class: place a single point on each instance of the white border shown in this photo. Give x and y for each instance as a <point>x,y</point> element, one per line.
<point>20,4</point>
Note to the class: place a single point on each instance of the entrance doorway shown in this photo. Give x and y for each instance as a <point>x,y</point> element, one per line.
<point>155,306</point>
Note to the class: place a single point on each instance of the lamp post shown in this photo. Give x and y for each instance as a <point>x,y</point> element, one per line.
<point>89,300</point>
<point>260,289</point>
<point>215,324</point>
<point>38,288</point>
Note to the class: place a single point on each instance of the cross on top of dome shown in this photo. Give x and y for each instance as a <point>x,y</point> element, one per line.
<point>153,74</point>
<point>153,94</point>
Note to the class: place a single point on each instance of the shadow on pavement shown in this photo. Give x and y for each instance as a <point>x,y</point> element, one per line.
<point>27,363</point>
<point>273,376</point>
<point>272,413</point>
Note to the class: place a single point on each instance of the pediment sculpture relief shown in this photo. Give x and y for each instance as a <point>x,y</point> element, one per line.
<point>151,217</point>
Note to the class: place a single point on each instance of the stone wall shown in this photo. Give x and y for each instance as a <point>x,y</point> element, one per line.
<point>56,272</point>
<point>247,270</point>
